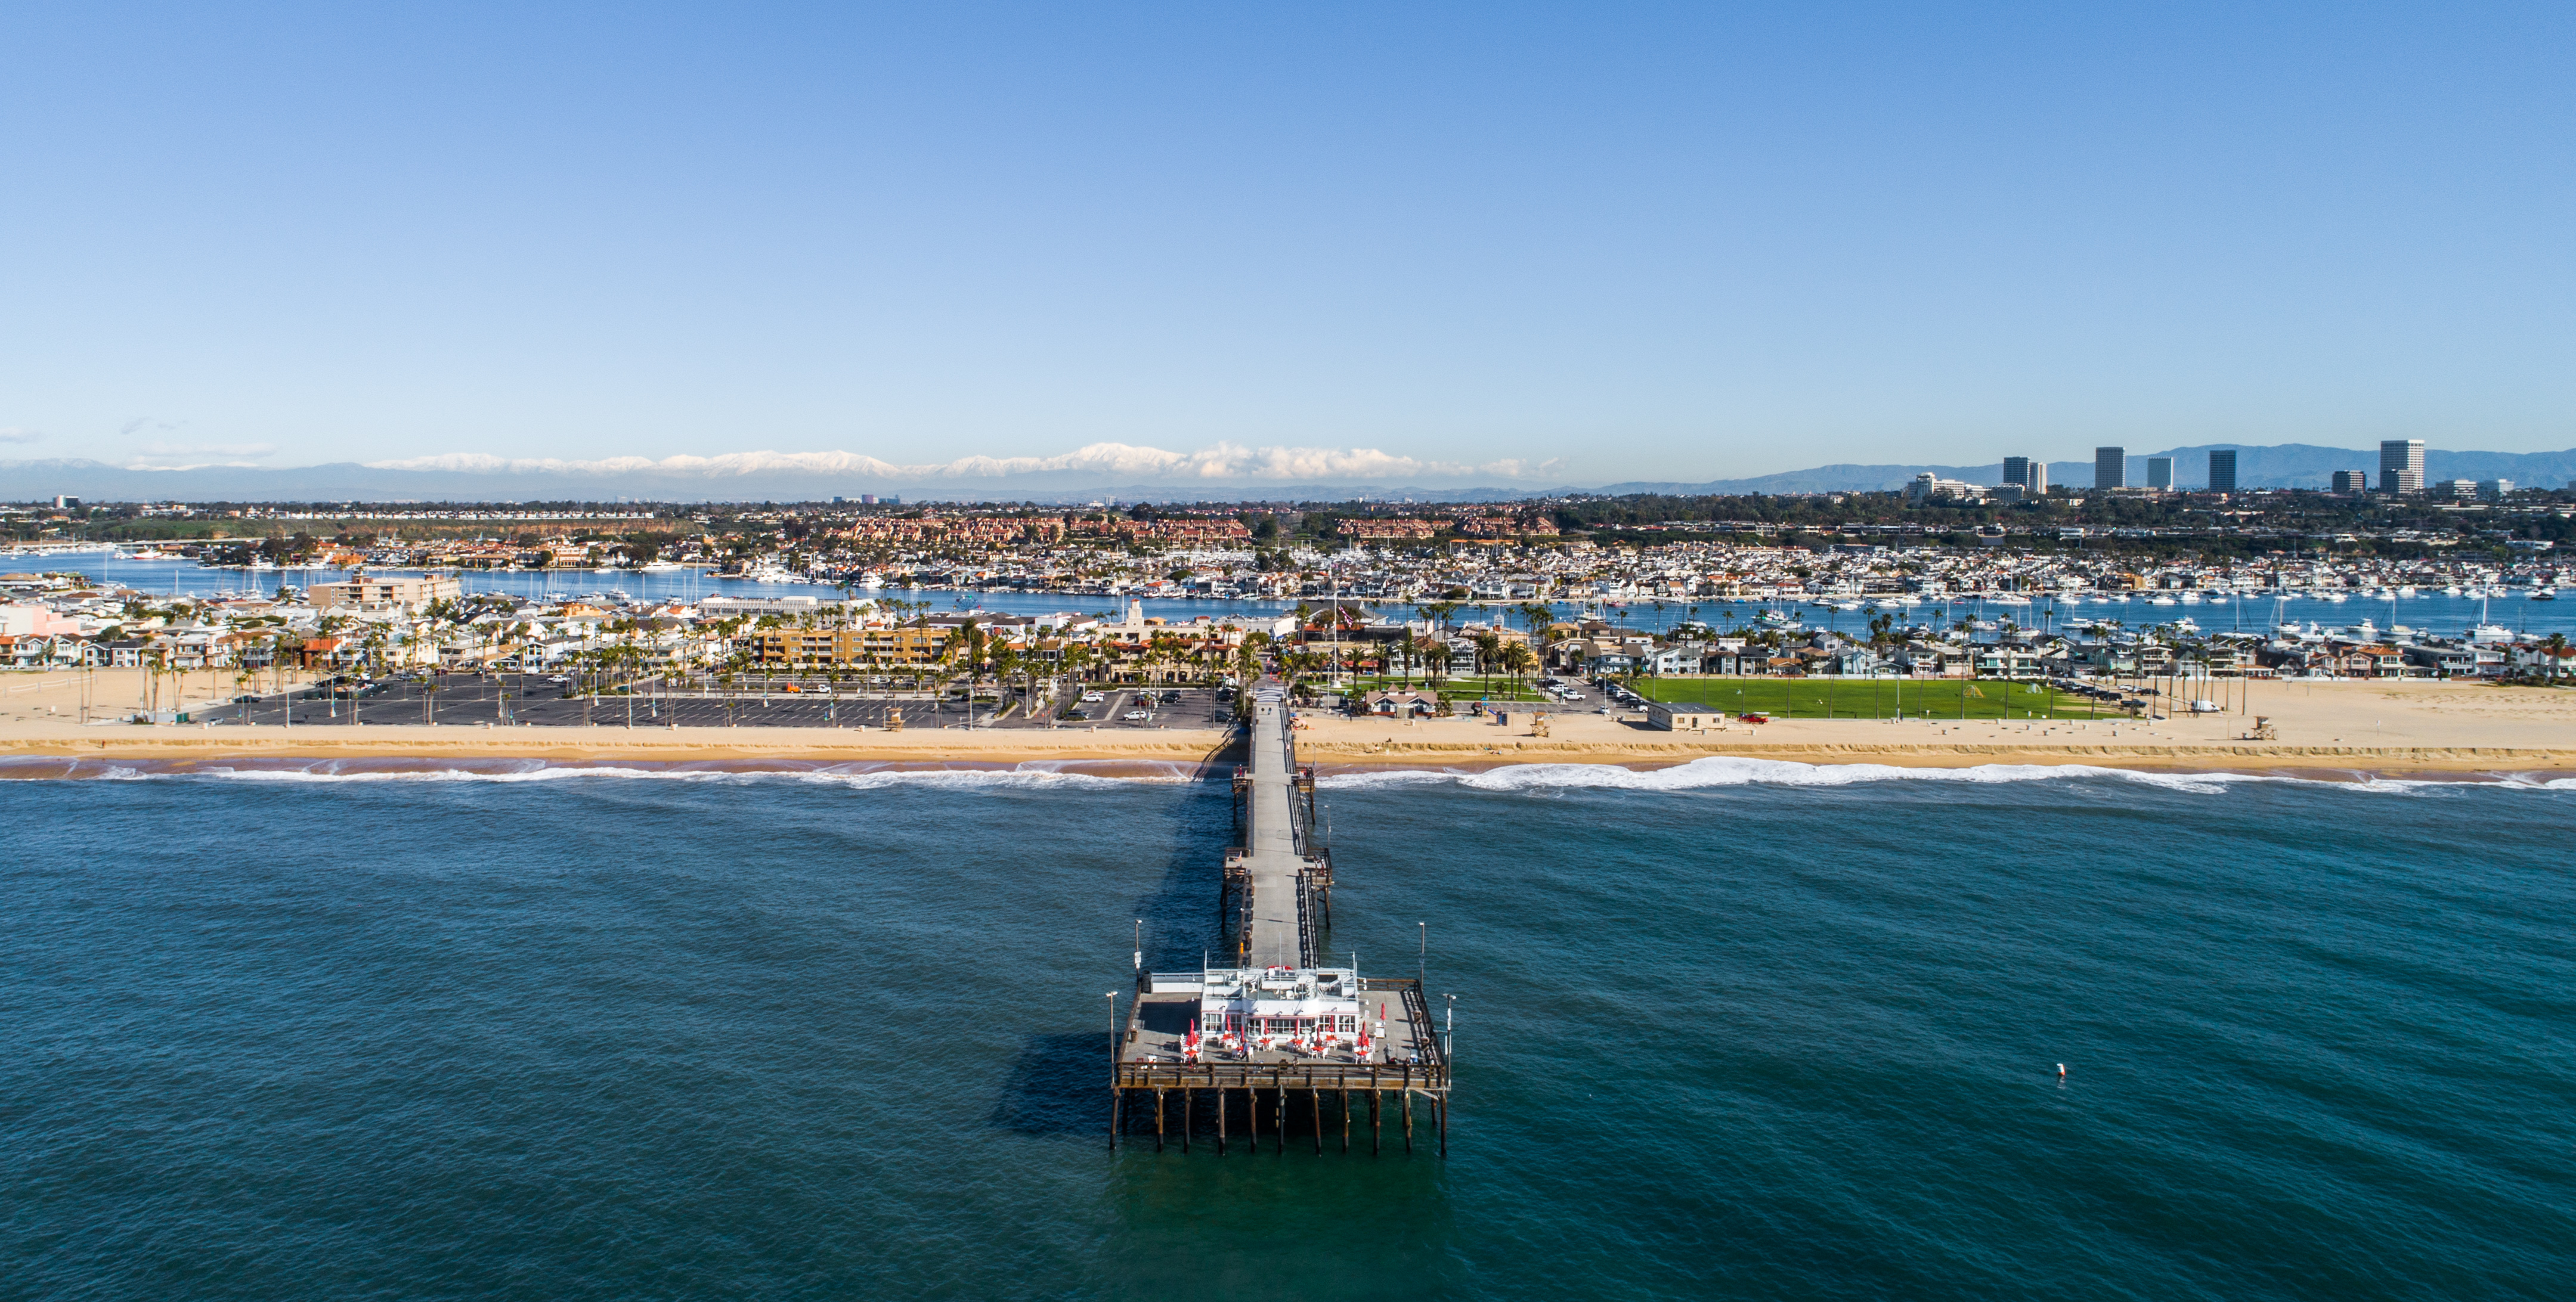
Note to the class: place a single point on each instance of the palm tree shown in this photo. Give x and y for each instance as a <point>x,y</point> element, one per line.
<point>1435,658</point>
<point>1006,662</point>
<point>1538,615</point>
<point>1519,660</point>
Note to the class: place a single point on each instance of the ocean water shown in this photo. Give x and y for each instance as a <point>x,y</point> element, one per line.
<point>1737,1029</point>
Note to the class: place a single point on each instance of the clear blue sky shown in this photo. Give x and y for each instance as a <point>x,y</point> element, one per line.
<point>1663,242</point>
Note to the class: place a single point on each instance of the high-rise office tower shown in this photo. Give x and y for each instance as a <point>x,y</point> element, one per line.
<point>2160,473</point>
<point>2030,473</point>
<point>2222,471</point>
<point>2352,481</point>
<point>2401,465</point>
<point>2110,467</point>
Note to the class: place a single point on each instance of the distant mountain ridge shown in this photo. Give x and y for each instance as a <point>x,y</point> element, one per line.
<point>2284,465</point>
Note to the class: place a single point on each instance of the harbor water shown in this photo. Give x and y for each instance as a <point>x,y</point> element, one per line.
<point>305,1030</point>
<point>2428,611</point>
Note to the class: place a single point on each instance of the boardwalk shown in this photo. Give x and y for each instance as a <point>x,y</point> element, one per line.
<point>1275,1039</point>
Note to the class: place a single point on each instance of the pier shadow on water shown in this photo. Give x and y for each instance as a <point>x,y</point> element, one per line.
<point>1058,1085</point>
<point>1183,921</point>
<point>1058,1082</point>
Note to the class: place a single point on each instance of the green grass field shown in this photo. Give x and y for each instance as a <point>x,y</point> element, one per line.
<point>1877,698</point>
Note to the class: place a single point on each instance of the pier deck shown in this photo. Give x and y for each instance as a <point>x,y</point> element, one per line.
<point>1272,864</point>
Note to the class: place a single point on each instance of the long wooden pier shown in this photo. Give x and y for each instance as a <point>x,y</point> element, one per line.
<point>1275,1040</point>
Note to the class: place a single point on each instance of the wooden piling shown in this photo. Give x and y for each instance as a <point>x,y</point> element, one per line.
<point>1315,1105</point>
<point>1346,1118</point>
<point>1440,1108</point>
<point>1158,1118</point>
<point>1408,1116</point>
<point>1220,1120</point>
<point>1115,1096</point>
<point>1189,1101</point>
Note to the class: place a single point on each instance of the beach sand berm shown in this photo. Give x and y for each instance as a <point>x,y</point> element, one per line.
<point>2348,727</point>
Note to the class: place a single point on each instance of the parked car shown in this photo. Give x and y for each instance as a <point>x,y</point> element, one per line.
<point>1136,716</point>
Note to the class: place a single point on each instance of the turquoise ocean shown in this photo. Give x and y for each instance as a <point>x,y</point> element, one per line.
<point>1736,1029</point>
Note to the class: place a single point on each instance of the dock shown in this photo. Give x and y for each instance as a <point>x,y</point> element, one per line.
<point>1275,1039</point>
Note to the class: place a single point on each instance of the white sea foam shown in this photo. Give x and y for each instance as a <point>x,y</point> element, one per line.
<point>1736,771</point>
<point>853,776</point>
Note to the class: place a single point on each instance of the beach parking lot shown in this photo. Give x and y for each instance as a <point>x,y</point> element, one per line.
<point>534,700</point>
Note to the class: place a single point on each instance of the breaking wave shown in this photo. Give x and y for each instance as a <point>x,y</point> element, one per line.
<point>857,775</point>
<point>1735,771</point>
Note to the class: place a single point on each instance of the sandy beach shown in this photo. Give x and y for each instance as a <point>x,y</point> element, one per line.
<point>2329,727</point>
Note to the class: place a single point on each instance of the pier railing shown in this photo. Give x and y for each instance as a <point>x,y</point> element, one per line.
<point>1305,920</point>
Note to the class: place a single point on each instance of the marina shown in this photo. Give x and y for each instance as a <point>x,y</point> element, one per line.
<point>1274,1039</point>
